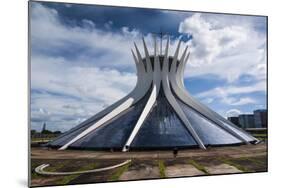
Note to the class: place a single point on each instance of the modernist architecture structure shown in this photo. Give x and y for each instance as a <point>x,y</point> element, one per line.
<point>260,118</point>
<point>158,114</point>
<point>246,121</point>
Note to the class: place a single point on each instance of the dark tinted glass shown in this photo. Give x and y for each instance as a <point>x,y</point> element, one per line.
<point>115,133</point>
<point>209,132</point>
<point>162,128</point>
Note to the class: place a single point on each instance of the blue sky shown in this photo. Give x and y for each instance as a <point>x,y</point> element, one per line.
<point>81,60</point>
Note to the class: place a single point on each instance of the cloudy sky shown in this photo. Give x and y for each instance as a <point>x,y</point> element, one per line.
<point>81,60</point>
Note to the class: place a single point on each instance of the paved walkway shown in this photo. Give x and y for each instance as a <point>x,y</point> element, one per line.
<point>181,170</point>
<point>233,151</point>
<point>141,171</point>
<point>222,169</point>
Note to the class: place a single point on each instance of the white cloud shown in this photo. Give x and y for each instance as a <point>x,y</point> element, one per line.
<point>100,48</point>
<point>59,112</point>
<point>208,100</point>
<point>52,75</point>
<point>226,50</point>
<point>228,94</point>
<point>69,90</point>
<point>232,90</point>
<point>47,33</point>
<point>80,90</point>
<point>240,101</point>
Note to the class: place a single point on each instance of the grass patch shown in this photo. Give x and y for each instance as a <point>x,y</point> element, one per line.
<point>162,168</point>
<point>65,180</point>
<point>69,178</point>
<point>261,138</point>
<point>56,167</point>
<point>198,166</point>
<point>34,175</point>
<point>256,161</point>
<point>260,135</point>
<point>119,172</point>
<point>238,166</point>
<point>41,139</point>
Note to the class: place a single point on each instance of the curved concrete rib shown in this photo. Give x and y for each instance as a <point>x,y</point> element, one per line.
<point>171,99</point>
<point>147,57</point>
<point>40,170</point>
<point>176,78</point>
<point>141,89</point>
<point>152,97</point>
<point>180,70</point>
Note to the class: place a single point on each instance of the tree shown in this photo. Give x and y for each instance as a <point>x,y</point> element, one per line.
<point>32,132</point>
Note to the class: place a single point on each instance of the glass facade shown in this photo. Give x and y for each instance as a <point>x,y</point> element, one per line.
<point>114,133</point>
<point>260,118</point>
<point>246,121</point>
<point>240,132</point>
<point>209,132</point>
<point>162,128</point>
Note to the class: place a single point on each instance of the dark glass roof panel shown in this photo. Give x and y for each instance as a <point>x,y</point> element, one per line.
<point>115,133</point>
<point>209,132</point>
<point>162,128</point>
